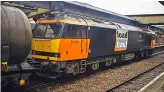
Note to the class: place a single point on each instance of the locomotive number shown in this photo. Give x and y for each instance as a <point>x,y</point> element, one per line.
<point>74,42</point>
<point>121,44</point>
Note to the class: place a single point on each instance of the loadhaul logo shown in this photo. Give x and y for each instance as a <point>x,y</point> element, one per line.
<point>121,40</point>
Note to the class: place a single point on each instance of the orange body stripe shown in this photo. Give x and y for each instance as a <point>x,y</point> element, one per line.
<point>120,49</point>
<point>63,21</point>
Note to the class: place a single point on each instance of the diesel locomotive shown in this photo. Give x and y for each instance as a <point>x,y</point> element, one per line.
<point>68,43</point>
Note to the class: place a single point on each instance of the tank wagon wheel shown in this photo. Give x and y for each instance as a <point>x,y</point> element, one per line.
<point>95,66</point>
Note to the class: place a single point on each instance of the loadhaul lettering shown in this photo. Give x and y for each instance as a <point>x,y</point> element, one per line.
<point>122,35</point>
<point>121,40</point>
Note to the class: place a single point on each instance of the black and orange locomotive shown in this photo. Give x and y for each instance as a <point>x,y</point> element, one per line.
<point>69,43</point>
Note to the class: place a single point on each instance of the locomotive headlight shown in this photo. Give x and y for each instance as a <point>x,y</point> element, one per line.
<point>33,52</point>
<point>57,55</point>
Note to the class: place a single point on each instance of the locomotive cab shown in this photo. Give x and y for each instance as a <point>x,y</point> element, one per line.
<point>58,41</point>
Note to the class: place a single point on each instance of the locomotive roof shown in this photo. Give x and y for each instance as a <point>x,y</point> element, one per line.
<point>87,21</point>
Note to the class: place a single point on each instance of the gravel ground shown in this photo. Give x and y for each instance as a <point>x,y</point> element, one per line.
<point>101,81</point>
<point>141,81</point>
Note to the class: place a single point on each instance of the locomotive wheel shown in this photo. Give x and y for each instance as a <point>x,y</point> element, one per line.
<point>72,68</point>
<point>95,66</point>
<point>146,54</point>
<point>136,56</point>
<point>142,55</point>
<point>122,57</point>
<point>114,60</point>
<point>76,70</point>
<point>108,63</point>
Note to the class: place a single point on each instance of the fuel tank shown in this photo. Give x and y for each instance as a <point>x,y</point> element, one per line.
<point>16,35</point>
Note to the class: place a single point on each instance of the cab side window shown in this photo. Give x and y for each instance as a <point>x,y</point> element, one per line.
<point>84,31</point>
<point>73,31</point>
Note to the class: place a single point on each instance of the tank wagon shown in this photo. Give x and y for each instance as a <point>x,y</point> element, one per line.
<point>69,43</point>
<point>16,40</point>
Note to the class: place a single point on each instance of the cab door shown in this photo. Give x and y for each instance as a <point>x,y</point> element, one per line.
<point>75,43</point>
<point>84,41</point>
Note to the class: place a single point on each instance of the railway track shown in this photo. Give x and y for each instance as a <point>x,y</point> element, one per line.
<point>129,80</point>
<point>119,85</point>
<point>40,85</point>
<point>62,79</point>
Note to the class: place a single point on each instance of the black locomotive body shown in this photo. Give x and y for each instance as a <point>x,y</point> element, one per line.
<point>103,41</point>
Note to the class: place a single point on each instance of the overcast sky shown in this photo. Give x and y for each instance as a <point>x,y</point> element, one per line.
<point>128,7</point>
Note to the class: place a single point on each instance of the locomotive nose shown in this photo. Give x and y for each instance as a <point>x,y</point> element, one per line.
<point>41,45</point>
